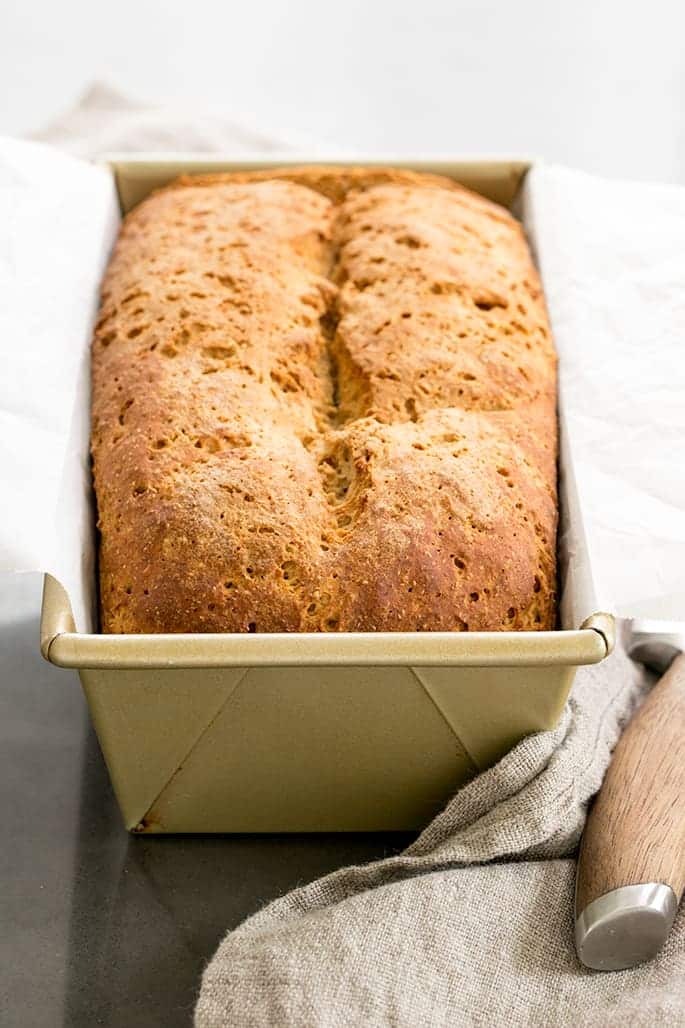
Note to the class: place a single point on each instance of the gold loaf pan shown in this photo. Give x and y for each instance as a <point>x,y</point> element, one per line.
<point>327,731</point>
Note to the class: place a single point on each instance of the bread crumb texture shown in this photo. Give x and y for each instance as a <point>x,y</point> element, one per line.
<point>324,400</point>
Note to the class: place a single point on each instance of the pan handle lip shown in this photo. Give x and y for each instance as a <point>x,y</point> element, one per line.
<point>605,625</point>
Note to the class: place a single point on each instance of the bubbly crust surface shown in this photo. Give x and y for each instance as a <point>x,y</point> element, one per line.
<point>324,399</point>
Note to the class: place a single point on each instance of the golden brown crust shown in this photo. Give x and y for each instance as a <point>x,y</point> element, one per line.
<point>324,399</point>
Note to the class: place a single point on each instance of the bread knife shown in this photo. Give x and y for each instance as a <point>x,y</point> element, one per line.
<point>631,865</point>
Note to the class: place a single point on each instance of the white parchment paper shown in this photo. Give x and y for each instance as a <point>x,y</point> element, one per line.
<point>612,257</point>
<point>58,219</point>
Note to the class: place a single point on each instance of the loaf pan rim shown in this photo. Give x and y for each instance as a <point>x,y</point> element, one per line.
<point>62,646</point>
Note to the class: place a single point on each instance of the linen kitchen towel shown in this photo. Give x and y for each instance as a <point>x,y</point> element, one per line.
<point>472,925</point>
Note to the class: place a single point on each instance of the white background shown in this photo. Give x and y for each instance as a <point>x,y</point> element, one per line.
<point>598,84</point>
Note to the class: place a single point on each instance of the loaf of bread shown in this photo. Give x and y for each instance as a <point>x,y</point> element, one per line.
<point>324,399</point>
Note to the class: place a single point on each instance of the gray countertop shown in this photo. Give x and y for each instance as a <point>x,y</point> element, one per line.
<point>99,927</point>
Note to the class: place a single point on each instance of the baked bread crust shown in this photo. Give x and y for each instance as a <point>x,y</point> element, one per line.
<point>324,399</point>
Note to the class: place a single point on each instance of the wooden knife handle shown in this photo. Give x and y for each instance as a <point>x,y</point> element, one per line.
<point>635,834</point>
